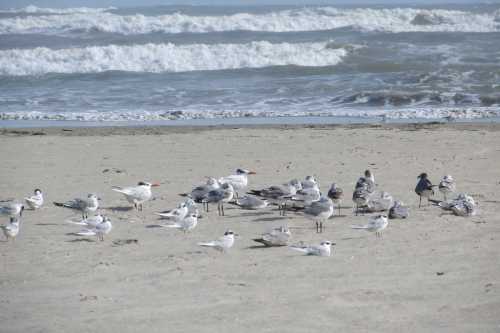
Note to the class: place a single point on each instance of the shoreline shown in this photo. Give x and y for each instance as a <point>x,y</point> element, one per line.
<point>162,130</point>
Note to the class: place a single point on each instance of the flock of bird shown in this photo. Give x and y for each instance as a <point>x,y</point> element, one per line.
<point>297,196</point>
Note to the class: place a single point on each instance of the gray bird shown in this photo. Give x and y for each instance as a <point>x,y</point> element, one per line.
<point>12,209</point>
<point>223,194</point>
<point>360,197</point>
<point>446,186</point>
<point>199,192</point>
<point>368,180</point>
<point>276,237</point>
<point>279,194</point>
<point>85,206</point>
<point>250,202</point>
<point>319,211</point>
<point>379,203</point>
<point>399,211</point>
<point>336,194</point>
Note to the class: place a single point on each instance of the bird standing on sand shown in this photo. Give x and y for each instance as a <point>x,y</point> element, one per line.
<point>375,224</point>
<point>319,211</point>
<point>424,188</point>
<point>279,194</point>
<point>176,215</point>
<point>276,237</point>
<point>199,192</point>
<point>238,181</point>
<point>324,249</point>
<point>99,230</point>
<point>360,197</point>
<point>223,194</point>
<point>221,244</point>
<point>336,194</point>
<point>85,206</point>
<point>368,180</point>
<point>11,230</point>
<point>136,195</point>
<point>36,200</point>
<point>447,186</point>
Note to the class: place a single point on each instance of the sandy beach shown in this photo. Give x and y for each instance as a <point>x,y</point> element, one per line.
<point>433,272</point>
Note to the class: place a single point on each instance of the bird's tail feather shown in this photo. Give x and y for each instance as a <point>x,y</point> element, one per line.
<point>359,227</point>
<point>86,233</point>
<point>300,249</point>
<point>206,244</point>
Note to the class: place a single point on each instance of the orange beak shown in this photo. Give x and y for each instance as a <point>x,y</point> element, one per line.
<point>155,184</point>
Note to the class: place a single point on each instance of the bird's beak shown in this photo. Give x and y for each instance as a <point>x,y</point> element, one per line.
<point>155,185</point>
<point>99,199</point>
<point>252,173</point>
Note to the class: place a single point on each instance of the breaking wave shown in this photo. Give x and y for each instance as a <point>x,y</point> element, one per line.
<point>305,19</point>
<point>38,10</point>
<point>157,58</point>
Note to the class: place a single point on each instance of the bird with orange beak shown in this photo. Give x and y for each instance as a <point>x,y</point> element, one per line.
<point>238,181</point>
<point>137,195</point>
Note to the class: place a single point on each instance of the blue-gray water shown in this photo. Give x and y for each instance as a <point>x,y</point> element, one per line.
<point>172,62</point>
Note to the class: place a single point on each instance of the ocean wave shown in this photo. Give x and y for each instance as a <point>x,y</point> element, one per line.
<point>157,58</point>
<point>470,113</point>
<point>305,19</point>
<point>31,9</point>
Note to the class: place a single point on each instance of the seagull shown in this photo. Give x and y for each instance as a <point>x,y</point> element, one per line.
<point>136,195</point>
<point>336,193</point>
<point>309,181</point>
<point>250,202</point>
<point>238,181</point>
<point>375,224</point>
<point>278,194</point>
<point>368,179</point>
<point>178,214</point>
<point>320,211</point>
<point>224,194</point>
<point>199,192</point>
<point>85,206</point>
<point>380,203</point>
<point>12,209</point>
<point>99,230</point>
<point>424,188</point>
<point>307,195</point>
<point>447,186</point>
<point>324,249</point>
<point>186,224</point>
<point>36,200</point>
<point>399,210</point>
<point>462,205</point>
<point>88,223</point>
<point>277,237</point>
<point>12,229</point>
<point>361,196</point>
<point>221,244</point>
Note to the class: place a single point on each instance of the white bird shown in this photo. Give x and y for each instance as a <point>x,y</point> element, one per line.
<point>276,237</point>
<point>307,195</point>
<point>379,203</point>
<point>177,215</point>
<point>309,181</point>
<point>85,206</point>
<point>221,244</point>
<point>223,194</point>
<point>324,249</point>
<point>446,186</point>
<point>199,192</point>
<point>251,202</point>
<point>279,194</point>
<point>136,195</point>
<point>12,229</point>
<point>88,223</point>
<point>186,224</point>
<point>99,230</point>
<point>12,209</point>
<point>35,201</point>
<point>462,205</point>
<point>319,211</point>
<point>238,181</point>
<point>375,224</point>
<point>399,210</point>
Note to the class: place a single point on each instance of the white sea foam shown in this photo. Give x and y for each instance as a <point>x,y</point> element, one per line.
<point>305,19</point>
<point>470,113</point>
<point>156,58</point>
<point>31,9</point>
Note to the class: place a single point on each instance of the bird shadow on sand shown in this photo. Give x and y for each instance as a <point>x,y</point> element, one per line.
<point>250,214</point>
<point>121,242</point>
<point>46,224</point>
<point>119,208</point>
<point>261,247</point>
<point>79,240</point>
<point>271,219</point>
<point>153,226</point>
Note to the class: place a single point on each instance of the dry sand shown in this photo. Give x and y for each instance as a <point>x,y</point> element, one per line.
<point>52,282</point>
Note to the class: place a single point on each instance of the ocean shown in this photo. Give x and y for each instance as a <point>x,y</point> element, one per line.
<point>183,63</point>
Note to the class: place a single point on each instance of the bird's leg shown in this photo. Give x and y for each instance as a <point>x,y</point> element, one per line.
<point>317,227</point>
<point>321,226</point>
<point>420,202</point>
<point>284,208</point>
<point>222,208</point>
